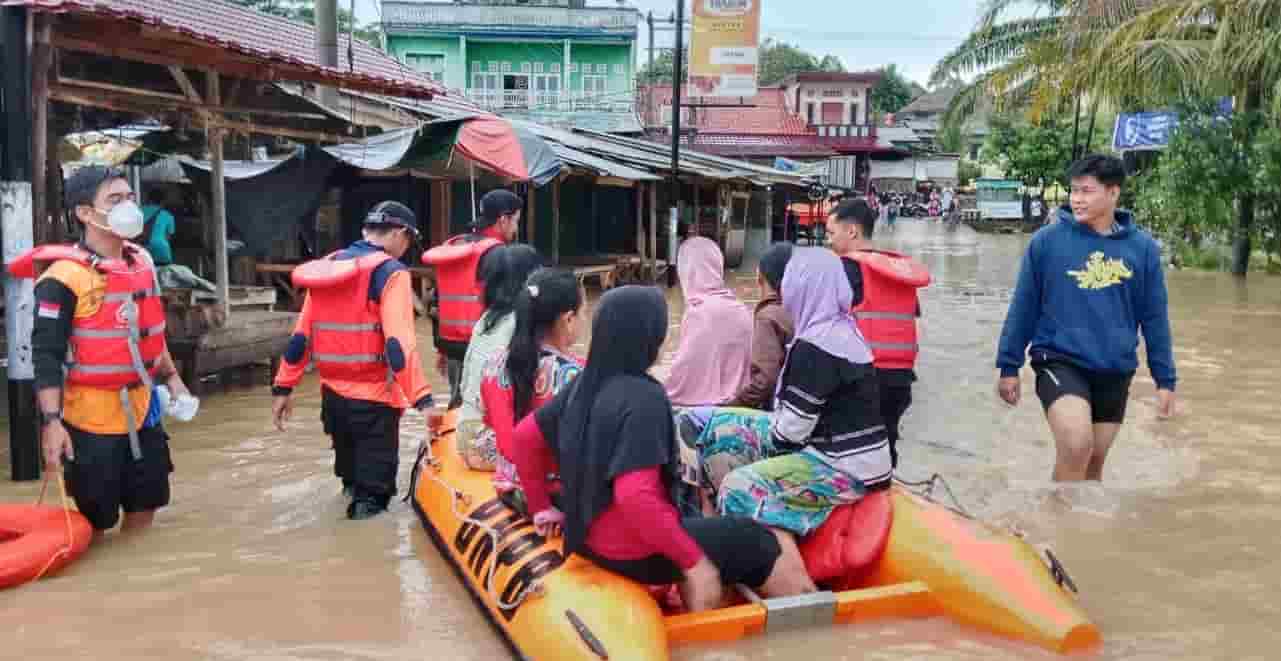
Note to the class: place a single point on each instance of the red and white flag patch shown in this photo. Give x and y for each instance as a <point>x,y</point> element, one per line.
<point>49,310</point>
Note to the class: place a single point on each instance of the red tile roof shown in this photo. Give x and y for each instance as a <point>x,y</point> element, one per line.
<point>248,32</point>
<point>768,116</point>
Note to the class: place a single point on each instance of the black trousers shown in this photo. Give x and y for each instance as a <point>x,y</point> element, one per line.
<point>894,402</point>
<point>366,439</point>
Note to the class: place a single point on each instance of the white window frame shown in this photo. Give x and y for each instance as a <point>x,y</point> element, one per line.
<point>438,76</point>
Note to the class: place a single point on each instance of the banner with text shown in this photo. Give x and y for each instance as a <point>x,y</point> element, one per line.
<point>724,47</point>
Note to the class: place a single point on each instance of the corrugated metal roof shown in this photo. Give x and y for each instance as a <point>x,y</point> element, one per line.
<point>255,34</point>
<point>601,166</point>
<point>761,145</point>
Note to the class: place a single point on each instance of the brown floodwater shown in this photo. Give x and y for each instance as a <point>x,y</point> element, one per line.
<point>1176,552</point>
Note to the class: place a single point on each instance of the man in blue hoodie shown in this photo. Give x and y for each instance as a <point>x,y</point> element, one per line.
<point>1088,284</point>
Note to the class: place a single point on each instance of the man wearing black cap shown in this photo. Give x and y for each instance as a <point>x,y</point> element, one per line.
<point>357,326</point>
<point>459,264</point>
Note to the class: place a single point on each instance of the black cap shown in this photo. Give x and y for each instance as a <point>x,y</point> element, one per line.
<point>83,185</point>
<point>390,213</point>
<point>496,203</point>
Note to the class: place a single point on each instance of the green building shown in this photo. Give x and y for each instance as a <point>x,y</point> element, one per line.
<point>557,62</point>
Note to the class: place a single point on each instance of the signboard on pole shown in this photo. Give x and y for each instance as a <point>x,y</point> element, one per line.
<point>1143,130</point>
<point>724,47</point>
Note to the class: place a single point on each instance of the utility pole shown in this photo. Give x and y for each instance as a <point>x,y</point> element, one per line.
<point>678,65</point>
<point>17,224</point>
<point>327,47</point>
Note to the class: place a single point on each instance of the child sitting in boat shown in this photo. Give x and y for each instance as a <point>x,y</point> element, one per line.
<point>771,333</point>
<point>824,445</point>
<point>611,434</point>
<point>505,270</point>
<point>536,365</point>
<point>713,357</point>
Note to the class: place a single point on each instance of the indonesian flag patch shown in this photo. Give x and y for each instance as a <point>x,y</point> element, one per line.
<point>49,310</point>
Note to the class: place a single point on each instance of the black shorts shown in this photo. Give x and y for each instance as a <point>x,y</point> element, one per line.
<point>1106,392</point>
<point>104,478</point>
<point>743,551</point>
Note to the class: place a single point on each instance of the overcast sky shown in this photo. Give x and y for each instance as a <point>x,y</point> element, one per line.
<point>865,34</point>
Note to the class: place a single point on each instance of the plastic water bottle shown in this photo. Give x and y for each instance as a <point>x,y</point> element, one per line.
<point>184,407</point>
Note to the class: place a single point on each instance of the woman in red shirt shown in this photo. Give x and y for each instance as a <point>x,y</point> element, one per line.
<point>610,436</point>
<point>535,366</point>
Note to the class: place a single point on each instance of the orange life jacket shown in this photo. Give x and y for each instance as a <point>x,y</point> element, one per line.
<point>347,339</point>
<point>887,314</point>
<point>459,290</point>
<point>119,345</point>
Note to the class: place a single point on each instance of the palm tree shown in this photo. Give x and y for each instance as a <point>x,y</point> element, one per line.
<point>1196,49</point>
<point>1030,62</point>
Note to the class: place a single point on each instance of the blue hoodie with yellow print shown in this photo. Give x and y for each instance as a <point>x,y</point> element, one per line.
<point>1083,297</point>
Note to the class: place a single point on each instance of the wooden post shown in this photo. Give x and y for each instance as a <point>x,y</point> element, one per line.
<point>556,221</point>
<point>219,193</point>
<point>638,190</point>
<point>696,227</point>
<point>41,59</point>
<point>532,222</point>
<point>653,232</point>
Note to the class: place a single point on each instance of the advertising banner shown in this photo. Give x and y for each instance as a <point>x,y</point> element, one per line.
<point>724,47</point>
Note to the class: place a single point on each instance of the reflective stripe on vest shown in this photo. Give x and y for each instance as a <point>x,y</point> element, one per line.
<point>894,346</point>
<point>460,298</point>
<point>158,329</point>
<point>345,328</point>
<point>108,369</point>
<point>900,316</point>
<point>348,358</point>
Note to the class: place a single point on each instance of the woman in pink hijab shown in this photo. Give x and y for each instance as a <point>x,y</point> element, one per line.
<point>713,358</point>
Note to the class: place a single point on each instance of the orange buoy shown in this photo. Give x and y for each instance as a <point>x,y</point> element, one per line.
<point>38,540</point>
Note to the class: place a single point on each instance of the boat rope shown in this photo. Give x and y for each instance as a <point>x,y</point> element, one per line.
<point>66,513</point>
<point>457,498</point>
<point>926,491</point>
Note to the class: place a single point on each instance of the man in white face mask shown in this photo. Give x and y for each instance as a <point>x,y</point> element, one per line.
<point>99,350</point>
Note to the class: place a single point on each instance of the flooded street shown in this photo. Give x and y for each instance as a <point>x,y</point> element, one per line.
<point>1176,553</point>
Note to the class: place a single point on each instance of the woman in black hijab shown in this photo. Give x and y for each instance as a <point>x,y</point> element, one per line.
<point>611,431</point>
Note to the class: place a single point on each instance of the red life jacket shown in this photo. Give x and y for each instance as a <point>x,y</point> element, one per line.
<point>119,345</point>
<point>459,290</point>
<point>347,339</point>
<point>887,315</point>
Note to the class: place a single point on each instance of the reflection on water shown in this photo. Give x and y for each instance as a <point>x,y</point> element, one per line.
<point>1175,553</point>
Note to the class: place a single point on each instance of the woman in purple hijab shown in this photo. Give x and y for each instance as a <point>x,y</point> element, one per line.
<point>824,445</point>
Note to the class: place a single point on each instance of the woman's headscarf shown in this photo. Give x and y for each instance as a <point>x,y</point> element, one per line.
<point>627,335</point>
<point>713,360</point>
<point>817,295</point>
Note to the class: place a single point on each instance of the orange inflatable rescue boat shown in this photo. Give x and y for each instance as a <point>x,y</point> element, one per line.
<point>38,540</point>
<point>893,555</point>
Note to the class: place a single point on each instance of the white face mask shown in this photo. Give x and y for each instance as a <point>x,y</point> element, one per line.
<point>124,220</point>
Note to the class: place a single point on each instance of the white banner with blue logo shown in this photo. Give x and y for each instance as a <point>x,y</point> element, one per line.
<point>1152,130</point>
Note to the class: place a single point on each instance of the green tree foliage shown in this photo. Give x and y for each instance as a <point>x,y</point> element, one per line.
<point>304,11</point>
<point>1188,196</point>
<point>967,172</point>
<point>893,91</point>
<point>1036,154</point>
<point>661,72</point>
<point>778,60</point>
<point>951,139</point>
